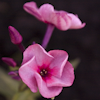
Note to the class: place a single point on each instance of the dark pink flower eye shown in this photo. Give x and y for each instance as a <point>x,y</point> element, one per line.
<point>44,71</point>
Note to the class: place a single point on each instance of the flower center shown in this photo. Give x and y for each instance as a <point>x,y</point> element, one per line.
<point>43,72</point>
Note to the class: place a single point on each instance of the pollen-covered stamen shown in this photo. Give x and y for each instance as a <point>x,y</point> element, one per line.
<point>43,73</point>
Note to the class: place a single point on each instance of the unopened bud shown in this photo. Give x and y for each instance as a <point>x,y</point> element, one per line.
<point>9,61</point>
<point>15,36</point>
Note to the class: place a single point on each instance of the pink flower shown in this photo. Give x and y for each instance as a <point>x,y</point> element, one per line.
<point>61,19</point>
<point>47,71</point>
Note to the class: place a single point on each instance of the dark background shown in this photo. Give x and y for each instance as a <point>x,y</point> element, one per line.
<point>83,43</point>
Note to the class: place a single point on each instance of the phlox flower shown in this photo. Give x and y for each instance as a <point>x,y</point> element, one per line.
<point>61,19</point>
<point>47,71</point>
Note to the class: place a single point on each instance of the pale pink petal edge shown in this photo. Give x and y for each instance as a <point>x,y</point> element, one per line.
<point>32,8</point>
<point>65,80</point>
<point>59,61</point>
<point>42,57</point>
<point>26,72</point>
<point>47,92</point>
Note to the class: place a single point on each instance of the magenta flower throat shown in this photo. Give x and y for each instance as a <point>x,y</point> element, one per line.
<point>44,72</point>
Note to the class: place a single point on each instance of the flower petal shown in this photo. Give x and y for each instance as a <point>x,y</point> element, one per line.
<point>76,22</point>
<point>61,20</point>
<point>47,92</point>
<point>66,79</point>
<point>59,61</point>
<point>31,8</point>
<point>46,11</point>
<point>41,56</point>
<point>26,72</point>
<point>68,74</point>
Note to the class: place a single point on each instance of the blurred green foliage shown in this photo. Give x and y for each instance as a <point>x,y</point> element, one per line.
<point>15,90</point>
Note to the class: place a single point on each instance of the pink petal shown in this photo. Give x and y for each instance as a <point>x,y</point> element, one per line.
<point>61,20</point>
<point>41,56</point>
<point>66,79</point>
<point>15,36</point>
<point>68,74</point>
<point>57,65</point>
<point>47,92</point>
<point>26,72</point>
<point>46,11</point>
<point>76,22</point>
<point>31,8</point>
<point>9,61</point>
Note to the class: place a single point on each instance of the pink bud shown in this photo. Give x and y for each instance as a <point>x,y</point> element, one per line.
<point>16,78</point>
<point>15,36</point>
<point>9,61</point>
<point>14,75</point>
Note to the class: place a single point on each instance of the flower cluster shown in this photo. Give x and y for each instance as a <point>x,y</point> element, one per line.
<point>47,71</point>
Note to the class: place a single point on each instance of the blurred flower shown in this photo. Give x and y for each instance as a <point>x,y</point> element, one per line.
<point>47,71</point>
<point>61,19</point>
<point>9,61</point>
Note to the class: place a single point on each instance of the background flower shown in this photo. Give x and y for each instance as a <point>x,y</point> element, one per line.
<point>61,19</point>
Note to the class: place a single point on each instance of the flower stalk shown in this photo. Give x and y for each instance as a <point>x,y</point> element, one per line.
<point>48,34</point>
<point>21,47</point>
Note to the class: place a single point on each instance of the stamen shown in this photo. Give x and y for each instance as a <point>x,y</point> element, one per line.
<point>43,72</point>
